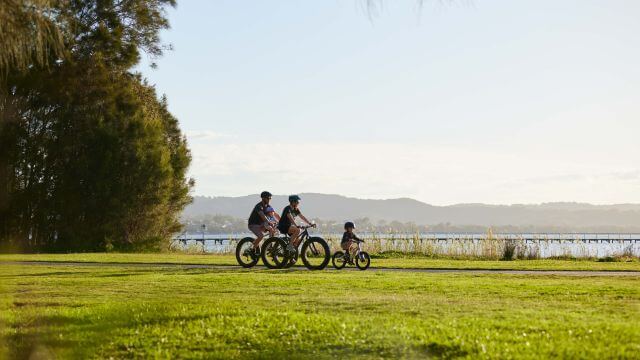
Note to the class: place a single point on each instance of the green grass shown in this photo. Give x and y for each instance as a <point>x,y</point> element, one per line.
<point>168,312</point>
<point>395,262</point>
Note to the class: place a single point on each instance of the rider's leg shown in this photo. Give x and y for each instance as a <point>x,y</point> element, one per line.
<point>258,231</point>
<point>351,251</point>
<point>346,247</point>
<point>272,231</point>
<point>256,242</point>
<point>294,232</point>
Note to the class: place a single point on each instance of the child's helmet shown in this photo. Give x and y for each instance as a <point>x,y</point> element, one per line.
<point>349,224</point>
<point>269,209</point>
<point>293,198</point>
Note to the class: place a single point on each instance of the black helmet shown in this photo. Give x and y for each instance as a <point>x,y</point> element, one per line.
<point>293,198</point>
<point>349,224</point>
<point>265,194</point>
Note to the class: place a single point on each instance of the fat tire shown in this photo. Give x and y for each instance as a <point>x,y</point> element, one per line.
<point>277,264</point>
<point>320,241</point>
<point>364,266</point>
<point>239,256</point>
<point>291,260</point>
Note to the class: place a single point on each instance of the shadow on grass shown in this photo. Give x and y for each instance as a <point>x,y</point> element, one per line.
<point>443,351</point>
<point>78,336</point>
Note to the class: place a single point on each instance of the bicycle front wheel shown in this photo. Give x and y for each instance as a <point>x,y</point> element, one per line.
<point>363,260</point>
<point>273,253</point>
<point>315,253</point>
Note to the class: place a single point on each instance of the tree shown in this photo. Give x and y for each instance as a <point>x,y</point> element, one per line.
<point>93,159</point>
<point>28,35</point>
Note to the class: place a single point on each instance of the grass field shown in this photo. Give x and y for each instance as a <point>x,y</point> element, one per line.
<point>394,262</point>
<point>125,311</point>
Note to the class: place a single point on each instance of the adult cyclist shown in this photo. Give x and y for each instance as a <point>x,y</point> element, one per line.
<point>258,221</point>
<point>287,223</point>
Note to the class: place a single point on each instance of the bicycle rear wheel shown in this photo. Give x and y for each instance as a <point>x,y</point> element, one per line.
<point>315,253</point>
<point>273,253</point>
<point>244,253</point>
<point>291,260</point>
<point>338,260</point>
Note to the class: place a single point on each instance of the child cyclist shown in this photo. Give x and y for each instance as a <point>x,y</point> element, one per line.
<point>287,223</point>
<point>272,219</point>
<point>348,239</point>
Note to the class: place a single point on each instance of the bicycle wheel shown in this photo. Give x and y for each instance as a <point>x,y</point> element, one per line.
<point>315,253</point>
<point>273,253</point>
<point>244,253</point>
<point>363,260</point>
<point>291,261</point>
<point>338,260</point>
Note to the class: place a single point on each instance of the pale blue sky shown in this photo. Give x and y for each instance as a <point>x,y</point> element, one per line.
<point>479,101</point>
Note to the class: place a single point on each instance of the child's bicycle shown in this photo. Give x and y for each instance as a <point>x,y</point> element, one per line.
<point>362,258</point>
<point>313,250</point>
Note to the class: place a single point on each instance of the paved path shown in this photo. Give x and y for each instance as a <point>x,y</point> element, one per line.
<point>330,268</point>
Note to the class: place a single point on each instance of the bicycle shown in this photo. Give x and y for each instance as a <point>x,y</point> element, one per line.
<point>313,250</point>
<point>244,252</point>
<point>363,260</point>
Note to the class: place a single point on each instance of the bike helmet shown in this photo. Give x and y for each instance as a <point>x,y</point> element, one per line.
<point>349,224</point>
<point>293,198</point>
<point>268,209</point>
<point>265,194</point>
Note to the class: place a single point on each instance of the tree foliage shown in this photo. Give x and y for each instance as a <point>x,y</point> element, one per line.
<point>28,36</point>
<point>91,159</point>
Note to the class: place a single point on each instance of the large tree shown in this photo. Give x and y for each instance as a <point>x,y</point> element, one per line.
<point>28,35</point>
<point>93,159</point>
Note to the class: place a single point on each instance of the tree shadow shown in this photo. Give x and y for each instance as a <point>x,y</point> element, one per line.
<point>443,351</point>
<point>77,335</point>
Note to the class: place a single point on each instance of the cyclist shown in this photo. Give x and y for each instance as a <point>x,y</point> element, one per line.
<point>347,240</point>
<point>258,220</point>
<point>272,219</point>
<point>287,223</point>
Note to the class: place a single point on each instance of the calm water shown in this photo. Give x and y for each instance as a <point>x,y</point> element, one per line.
<point>541,245</point>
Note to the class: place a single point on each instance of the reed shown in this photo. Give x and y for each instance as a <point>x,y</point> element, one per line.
<point>462,246</point>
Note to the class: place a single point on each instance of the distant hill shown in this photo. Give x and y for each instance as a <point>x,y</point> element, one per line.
<point>340,208</point>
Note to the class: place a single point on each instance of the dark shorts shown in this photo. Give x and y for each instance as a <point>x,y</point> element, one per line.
<point>284,228</point>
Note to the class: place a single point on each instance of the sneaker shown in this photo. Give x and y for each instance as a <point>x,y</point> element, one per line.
<point>255,252</point>
<point>291,249</point>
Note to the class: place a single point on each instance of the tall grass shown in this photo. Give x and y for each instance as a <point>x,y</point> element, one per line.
<point>491,247</point>
<point>461,246</point>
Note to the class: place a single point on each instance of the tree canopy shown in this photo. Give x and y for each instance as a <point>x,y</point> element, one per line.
<point>90,157</point>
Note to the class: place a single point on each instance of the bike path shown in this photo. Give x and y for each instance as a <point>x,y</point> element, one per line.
<point>330,268</point>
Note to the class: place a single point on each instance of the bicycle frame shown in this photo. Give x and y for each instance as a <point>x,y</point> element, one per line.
<point>303,237</point>
<point>358,249</point>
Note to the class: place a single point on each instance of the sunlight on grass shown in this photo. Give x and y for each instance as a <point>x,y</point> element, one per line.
<point>120,311</point>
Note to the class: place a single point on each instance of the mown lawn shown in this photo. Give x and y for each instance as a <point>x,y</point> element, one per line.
<point>409,262</point>
<point>169,312</point>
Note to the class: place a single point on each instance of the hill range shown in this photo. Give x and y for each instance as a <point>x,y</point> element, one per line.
<point>620,217</point>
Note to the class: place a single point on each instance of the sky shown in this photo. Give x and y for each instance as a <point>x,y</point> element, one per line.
<point>469,101</point>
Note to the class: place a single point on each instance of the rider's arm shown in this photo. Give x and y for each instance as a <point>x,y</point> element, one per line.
<point>263,216</point>
<point>305,219</point>
<point>276,216</point>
